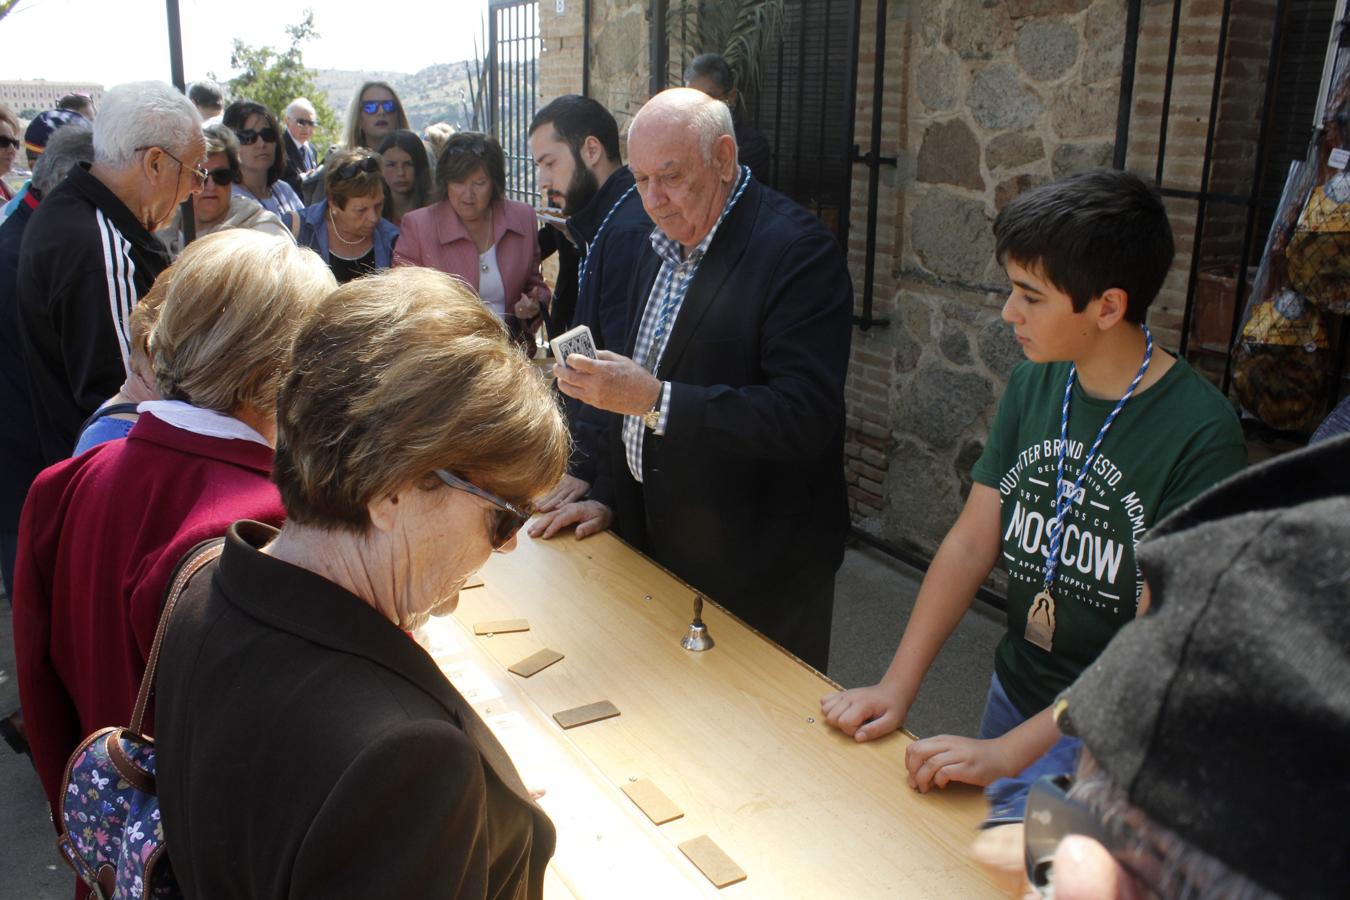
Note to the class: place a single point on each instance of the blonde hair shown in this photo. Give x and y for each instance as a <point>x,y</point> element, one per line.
<point>398,374</point>
<point>143,319</point>
<point>232,306</point>
<point>7,115</point>
<point>353,136</point>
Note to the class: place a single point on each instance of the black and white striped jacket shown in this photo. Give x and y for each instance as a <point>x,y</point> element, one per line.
<point>84,264</point>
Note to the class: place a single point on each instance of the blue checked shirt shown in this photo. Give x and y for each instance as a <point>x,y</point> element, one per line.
<point>658,317</point>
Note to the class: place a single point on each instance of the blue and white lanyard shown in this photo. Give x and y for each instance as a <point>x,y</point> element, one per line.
<point>586,260</point>
<point>1065,496</point>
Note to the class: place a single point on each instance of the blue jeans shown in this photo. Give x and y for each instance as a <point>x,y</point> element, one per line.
<point>1008,796</point>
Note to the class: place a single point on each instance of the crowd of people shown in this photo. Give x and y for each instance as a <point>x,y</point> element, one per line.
<point>325,360</point>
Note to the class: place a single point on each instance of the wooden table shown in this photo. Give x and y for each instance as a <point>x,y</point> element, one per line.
<point>733,736</point>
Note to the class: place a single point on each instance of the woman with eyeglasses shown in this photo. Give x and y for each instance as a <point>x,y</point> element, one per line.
<point>9,149</point>
<point>374,112</point>
<point>410,439</point>
<point>475,233</point>
<point>407,174</point>
<point>346,227</point>
<point>262,160</point>
<point>216,207</point>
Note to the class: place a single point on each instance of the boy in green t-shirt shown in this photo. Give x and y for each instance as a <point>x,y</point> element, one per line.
<point>1126,430</point>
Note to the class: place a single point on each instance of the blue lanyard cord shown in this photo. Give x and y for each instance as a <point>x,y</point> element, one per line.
<point>586,260</point>
<point>1064,497</point>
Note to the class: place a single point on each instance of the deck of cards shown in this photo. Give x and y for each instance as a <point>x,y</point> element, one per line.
<point>575,340</point>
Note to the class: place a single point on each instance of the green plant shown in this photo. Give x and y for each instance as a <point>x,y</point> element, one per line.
<point>274,78</point>
<point>742,31</point>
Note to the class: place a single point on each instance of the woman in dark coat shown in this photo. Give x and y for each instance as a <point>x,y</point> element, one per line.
<point>307,746</point>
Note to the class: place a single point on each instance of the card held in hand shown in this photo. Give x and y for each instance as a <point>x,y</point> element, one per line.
<point>575,340</point>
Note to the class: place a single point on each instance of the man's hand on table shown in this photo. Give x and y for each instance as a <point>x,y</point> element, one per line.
<point>567,490</point>
<point>937,761</point>
<point>610,382</point>
<point>864,713</point>
<point>590,517</point>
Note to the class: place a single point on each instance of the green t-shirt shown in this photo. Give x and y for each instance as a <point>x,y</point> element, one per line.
<point>1169,444</point>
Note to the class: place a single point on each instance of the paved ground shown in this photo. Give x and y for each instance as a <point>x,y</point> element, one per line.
<point>873,600</point>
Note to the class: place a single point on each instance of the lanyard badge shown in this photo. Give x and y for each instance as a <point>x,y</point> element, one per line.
<point>1040,629</point>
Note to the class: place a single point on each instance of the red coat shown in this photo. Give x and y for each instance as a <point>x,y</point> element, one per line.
<point>99,537</point>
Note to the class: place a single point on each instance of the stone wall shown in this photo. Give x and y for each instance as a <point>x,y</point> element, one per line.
<point>984,99</point>
<point>620,53</point>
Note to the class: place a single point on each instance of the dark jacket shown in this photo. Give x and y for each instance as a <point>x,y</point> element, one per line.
<point>86,263</point>
<point>745,491</point>
<point>307,747</point>
<point>751,147</point>
<point>606,299</point>
<point>20,453</point>
<point>299,160</point>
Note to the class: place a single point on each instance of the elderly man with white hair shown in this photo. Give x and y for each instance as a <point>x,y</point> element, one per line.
<point>90,254</point>
<point>726,443</point>
<point>301,158</point>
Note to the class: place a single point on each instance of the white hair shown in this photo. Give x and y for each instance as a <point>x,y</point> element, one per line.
<point>709,122</point>
<point>300,104</point>
<point>143,114</point>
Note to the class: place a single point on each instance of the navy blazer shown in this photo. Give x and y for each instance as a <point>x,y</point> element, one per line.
<point>745,490</point>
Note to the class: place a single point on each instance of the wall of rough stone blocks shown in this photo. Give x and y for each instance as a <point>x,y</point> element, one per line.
<point>620,53</point>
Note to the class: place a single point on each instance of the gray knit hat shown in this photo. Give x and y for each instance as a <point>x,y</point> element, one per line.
<point>1224,713</point>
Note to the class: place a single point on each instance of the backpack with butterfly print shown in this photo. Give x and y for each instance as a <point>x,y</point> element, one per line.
<point>111,831</point>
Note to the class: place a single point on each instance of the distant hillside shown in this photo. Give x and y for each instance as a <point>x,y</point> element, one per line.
<point>438,93</point>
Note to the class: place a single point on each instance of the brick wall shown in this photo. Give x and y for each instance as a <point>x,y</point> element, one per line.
<point>620,54</point>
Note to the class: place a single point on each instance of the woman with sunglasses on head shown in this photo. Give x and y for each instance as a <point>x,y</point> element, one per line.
<point>262,160</point>
<point>217,207</point>
<point>407,174</point>
<point>475,233</point>
<point>410,438</point>
<point>346,228</point>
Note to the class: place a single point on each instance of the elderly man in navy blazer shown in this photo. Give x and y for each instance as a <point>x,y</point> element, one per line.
<point>726,451</point>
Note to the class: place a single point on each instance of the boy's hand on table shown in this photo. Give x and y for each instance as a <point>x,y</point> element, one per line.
<point>865,713</point>
<point>938,761</point>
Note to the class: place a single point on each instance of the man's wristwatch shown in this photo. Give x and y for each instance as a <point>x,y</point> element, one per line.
<point>652,417</point>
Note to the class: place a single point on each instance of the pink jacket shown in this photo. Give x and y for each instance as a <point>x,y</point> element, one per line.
<point>434,237</point>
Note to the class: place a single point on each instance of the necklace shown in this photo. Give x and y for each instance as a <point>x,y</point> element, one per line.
<point>476,242</point>
<point>340,236</point>
<point>1040,628</point>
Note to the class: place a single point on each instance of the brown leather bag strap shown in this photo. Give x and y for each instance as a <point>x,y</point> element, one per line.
<point>191,563</point>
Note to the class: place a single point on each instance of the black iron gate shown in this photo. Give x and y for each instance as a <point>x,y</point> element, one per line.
<point>513,85</point>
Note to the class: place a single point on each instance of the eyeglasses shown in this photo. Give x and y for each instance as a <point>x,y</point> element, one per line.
<point>198,173</point>
<point>9,142</point>
<point>1051,814</point>
<point>305,123</point>
<point>221,177</point>
<point>506,518</point>
<point>248,135</point>
<point>371,106</point>
<point>352,169</point>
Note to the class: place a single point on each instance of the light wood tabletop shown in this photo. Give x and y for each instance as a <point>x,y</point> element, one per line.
<point>732,736</point>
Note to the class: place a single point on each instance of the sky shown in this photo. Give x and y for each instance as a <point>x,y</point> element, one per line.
<point>112,41</point>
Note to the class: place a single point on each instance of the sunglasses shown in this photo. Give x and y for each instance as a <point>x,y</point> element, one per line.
<point>9,142</point>
<point>371,106</point>
<point>221,177</point>
<point>352,169</point>
<point>506,518</point>
<point>248,135</point>
<point>305,123</point>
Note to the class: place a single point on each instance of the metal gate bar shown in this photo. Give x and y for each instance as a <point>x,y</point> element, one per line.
<point>513,77</point>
